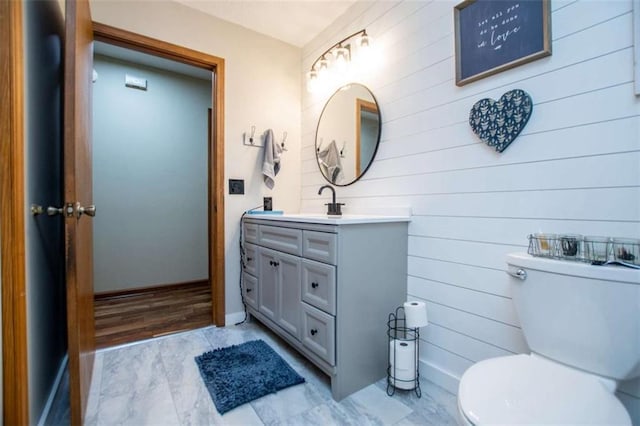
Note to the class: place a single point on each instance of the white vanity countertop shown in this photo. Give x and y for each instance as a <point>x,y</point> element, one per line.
<point>345,219</point>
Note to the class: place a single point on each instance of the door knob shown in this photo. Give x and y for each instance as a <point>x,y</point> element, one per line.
<point>36,209</point>
<point>89,210</point>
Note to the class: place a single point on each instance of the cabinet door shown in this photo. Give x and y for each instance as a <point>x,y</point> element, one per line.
<point>268,282</point>
<point>250,289</point>
<point>286,240</point>
<point>319,285</point>
<point>250,258</point>
<point>290,274</point>
<point>318,333</point>
<point>250,231</point>
<point>320,246</point>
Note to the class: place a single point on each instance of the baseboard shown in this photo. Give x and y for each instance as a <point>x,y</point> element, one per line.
<point>54,390</point>
<point>234,318</point>
<point>130,292</point>
<point>442,378</point>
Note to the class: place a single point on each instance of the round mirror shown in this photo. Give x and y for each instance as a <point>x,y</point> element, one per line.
<point>348,134</point>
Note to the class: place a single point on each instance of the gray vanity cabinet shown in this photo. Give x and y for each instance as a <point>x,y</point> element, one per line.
<point>327,289</point>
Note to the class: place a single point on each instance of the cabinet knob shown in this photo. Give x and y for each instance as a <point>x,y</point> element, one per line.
<point>276,263</point>
<point>249,290</point>
<point>313,331</point>
<point>314,285</point>
<point>249,259</point>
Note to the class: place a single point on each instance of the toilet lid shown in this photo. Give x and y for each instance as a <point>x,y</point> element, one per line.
<point>530,389</point>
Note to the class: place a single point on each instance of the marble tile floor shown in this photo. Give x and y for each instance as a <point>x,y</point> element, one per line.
<point>157,382</point>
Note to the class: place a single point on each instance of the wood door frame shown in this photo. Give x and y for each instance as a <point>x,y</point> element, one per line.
<point>15,378</point>
<point>361,105</point>
<point>216,65</point>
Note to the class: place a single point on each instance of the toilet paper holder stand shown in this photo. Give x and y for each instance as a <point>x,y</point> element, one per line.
<point>405,377</point>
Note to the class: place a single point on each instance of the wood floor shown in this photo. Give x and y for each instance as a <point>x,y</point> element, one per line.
<point>125,318</point>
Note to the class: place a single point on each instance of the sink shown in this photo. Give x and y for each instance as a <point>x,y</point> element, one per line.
<point>335,220</point>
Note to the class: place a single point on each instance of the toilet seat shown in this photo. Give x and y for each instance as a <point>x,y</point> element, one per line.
<point>530,389</point>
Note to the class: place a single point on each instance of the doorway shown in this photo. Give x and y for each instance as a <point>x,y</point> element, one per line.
<point>214,152</point>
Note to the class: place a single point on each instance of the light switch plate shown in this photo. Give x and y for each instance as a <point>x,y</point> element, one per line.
<point>236,186</point>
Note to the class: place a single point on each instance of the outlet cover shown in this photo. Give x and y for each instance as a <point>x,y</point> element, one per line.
<point>236,186</point>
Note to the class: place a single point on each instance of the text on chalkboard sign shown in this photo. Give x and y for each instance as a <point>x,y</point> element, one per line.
<point>494,35</point>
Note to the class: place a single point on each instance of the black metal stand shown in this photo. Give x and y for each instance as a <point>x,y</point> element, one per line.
<point>397,331</point>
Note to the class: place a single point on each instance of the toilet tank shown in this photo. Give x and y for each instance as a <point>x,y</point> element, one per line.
<point>578,314</point>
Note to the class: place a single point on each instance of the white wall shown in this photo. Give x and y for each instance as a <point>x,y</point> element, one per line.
<point>574,169</point>
<point>149,177</point>
<point>262,88</point>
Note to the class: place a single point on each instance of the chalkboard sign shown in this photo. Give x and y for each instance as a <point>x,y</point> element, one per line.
<point>495,35</point>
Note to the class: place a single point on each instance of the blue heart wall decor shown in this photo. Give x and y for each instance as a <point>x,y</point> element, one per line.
<point>498,123</point>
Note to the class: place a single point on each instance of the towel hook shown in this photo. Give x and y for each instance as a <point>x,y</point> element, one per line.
<point>253,132</point>
<point>284,138</point>
<point>319,146</point>
<point>344,143</point>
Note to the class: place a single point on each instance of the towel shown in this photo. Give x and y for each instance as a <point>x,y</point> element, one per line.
<point>330,164</point>
<point>271,162</point>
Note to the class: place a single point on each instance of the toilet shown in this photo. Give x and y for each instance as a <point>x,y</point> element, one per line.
<point>582,325</point>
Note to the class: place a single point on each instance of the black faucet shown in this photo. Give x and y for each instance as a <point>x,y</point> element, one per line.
<point>333,208</point>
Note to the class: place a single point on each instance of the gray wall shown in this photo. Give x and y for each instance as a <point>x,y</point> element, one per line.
<point>1,349</point>
<point>150,177</point>
<point>46,310</point>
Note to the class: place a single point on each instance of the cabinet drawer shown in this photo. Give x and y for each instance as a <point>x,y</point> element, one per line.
<point>320,246</point>
<point>250,232</point>
<point>284,239</point>
<point>250,259</point>
<point>319,285</point>
<point>250,290</point>
<point>318,333</point>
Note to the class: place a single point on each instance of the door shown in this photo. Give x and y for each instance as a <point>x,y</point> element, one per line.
<point>77,187</point>
<point>216,65</point>
<point>289,271</point>
<point>268,282</point>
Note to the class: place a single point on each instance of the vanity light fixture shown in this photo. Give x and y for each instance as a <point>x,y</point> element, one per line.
<point>336,63</point>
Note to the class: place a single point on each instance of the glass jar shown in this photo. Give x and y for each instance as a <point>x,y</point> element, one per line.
<point>597,250</point>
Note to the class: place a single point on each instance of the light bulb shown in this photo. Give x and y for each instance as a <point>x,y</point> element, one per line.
<point>364,47</point>
<point>367,55</point>
<point>312,81</point>
<point>364,41</point>
<point>323,68</point>
<point>342,60</point>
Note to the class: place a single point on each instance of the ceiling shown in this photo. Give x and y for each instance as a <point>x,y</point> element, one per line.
<point>293,21</point>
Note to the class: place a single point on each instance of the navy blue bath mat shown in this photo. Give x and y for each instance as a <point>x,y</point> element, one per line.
<point>241,373</point>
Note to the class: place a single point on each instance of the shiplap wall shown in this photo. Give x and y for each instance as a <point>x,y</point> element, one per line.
<point>574,169</point>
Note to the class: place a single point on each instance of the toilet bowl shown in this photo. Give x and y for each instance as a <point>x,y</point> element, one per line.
<point>581,323</point>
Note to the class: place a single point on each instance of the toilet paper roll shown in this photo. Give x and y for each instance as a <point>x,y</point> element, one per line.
<point>402,358</point>
<point>416,314</point>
